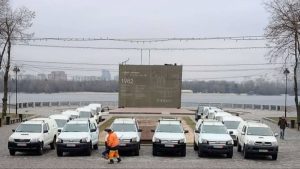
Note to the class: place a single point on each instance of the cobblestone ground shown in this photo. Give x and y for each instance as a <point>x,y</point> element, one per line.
<point>289,153</point>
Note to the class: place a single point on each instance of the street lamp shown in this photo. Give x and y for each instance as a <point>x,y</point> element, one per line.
<point>286,72</point>
<point>16,70</point>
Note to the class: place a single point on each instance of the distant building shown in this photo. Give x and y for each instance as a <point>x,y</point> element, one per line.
<point>41,76</point>
<point>57,75</point>
<point>85,78</point>
<point>105,75</point>
<point>26,77</point>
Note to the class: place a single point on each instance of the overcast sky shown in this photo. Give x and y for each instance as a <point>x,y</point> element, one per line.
<point>148,19</point>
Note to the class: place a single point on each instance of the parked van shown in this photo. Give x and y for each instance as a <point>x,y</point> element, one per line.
<point>96,110</point>
<point>218,115</point>
<point>232,123</point>
<point>60,120</point>
<point>86,113</point>
<point>33,135</point>
<point>74,114</point>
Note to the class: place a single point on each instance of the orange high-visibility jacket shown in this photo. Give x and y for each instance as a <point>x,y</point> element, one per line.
<point>112,140</point>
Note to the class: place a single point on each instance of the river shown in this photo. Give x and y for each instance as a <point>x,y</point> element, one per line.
<point>186,97</point>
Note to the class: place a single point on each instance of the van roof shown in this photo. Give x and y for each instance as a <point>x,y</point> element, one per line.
<point>59,116</point>
<point>231,118</point>
<point>223,113</point>
<point>83,109</point>
<point>79,121</point>
<point>37,121</point>
<point>125,120</point>
<point>213,123</point>
<point>256,124</point>
<point>172,122</point>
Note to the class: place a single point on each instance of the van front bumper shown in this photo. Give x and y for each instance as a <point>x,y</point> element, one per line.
<point>216,149</point>
<point>72,147</point>
<point>28,146</point>
<point>169,147</point>
<point>129,146</point>
<point>267,150</point>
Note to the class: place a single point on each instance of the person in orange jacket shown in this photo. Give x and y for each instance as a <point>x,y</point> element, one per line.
<point>113,146</point>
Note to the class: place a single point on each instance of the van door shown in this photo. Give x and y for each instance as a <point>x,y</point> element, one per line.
<point>242,137</point>
<point>94,135</point>
<point>46,135</point>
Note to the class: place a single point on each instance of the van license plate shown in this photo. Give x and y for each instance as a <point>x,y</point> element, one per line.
<point>122,144</point>
<point>218,146</point>
<point>263,151</point>
<point>71,145</point>
<point>22,144</point>
<point>169,145</point>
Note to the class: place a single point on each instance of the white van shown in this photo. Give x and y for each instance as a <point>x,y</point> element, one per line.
<point>60,120</point>
<point>86,113</point>
<point>129,133</point>
<point>33,135</point>
<point>96,110</point>
<point>74,114</point>
<point>232,124</point>
<point>79,135</point>
<point>219,115</point>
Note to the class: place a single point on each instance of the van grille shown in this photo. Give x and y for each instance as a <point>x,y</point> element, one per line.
<point>22,140</point>
<point>260,143</point>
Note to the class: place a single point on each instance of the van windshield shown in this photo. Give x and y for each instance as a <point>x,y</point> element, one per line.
<point>29,128</point>
<point>60,123</point>
<point>259,131</point>
<point>214,129</point>
<point>76,128</point>
<point>169,128</point>
<point>124,127</point>
<point>232,124</point>
<point>84,114</point>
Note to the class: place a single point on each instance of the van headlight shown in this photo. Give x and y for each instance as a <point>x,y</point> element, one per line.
<point>134,139</point>
<point>250,142</point>
<point>59,140</point>
<point>11,139</point>
<point>230,142</point>
<point>84,140</point>
<point>275,143</point>
<point>181,140</point>
<point>157,140</point>
<point>204,141</point>
<point>35,140</point>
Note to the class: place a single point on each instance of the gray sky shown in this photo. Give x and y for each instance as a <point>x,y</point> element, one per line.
<point>148,19</point>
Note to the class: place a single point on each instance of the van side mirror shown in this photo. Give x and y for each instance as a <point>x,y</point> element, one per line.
<point>13,130</point>
<point>186,131</point>
<point>152,130</point>
<point>243,133</point>
<point>93,130</point>
<point>45,131</point>
<point>59,130</point>
<point>231,132</point>
<point>140,130</point>
<point>276,134</point>
<point>197,131</point>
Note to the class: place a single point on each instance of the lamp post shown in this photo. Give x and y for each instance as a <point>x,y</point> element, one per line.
<point>16,70</point>
<point>286,72</point>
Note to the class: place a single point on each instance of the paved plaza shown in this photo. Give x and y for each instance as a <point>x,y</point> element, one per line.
<point>288,157</point>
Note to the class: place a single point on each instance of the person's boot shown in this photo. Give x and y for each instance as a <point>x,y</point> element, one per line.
<point>119,159</point>
<point>111,161</point>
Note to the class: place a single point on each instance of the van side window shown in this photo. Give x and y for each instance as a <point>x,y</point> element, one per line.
<point>45,127</point>
<point>92,126</point>
<point>244,129</point>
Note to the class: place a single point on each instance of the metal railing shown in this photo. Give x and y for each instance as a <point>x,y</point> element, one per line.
<point>190,105</point>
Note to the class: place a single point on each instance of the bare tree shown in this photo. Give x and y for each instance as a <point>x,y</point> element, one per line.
<point>15,25</point>
<point>283,32</point>
<point>4,7</point>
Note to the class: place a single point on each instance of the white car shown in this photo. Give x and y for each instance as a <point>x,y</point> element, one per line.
<point>79,135</point>
<point>169,136</point>
<point>232,123</point>
<point>33,135</point>
<point>72,113</point>
<point>211,137</point>
<point>86,112</point>
<point>60,120</point>
<point>129,133</point>
<point>257,138</point>
<point>96,109</point>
